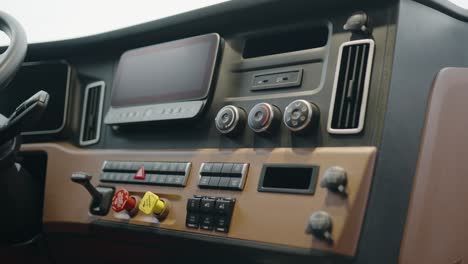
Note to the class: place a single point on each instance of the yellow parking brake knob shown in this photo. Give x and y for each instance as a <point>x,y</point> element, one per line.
<point>151,204</point>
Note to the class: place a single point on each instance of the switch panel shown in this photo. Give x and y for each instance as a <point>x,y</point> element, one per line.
<point>223,175</point>
<point>150,173</point>
<point>209,213</point>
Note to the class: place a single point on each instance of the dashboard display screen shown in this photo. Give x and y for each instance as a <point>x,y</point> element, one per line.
<point>175,71</point>
<point>52,77</point>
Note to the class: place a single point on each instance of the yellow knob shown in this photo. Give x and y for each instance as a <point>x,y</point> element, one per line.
<point>151,204</point>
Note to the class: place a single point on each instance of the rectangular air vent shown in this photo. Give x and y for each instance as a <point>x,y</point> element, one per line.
<point>92,113</point>
<point>351,87</point>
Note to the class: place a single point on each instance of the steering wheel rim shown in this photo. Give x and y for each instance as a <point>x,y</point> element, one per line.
<point>13,57</point>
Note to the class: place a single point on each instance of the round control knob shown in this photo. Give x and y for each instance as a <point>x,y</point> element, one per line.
<point>320,226</point>
<point>264,117</point>
<point>122,200</point>
<point>301,115</point>
<point>335,180</point>
<point>230,120</point>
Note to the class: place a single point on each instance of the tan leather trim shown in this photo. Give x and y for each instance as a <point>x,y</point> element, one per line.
<point>436,227</point>
<point>264,217</point>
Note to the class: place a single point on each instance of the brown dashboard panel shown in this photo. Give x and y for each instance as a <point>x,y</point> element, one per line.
<point>274,218</point>
<point>435,230</point>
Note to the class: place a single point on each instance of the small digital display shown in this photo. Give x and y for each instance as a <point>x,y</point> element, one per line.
<point>175,71</point>
<point>52,77</point>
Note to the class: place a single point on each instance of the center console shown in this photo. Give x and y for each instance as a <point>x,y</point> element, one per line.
<point>273,195</point>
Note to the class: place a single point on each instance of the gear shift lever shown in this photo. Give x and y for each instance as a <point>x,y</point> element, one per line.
<point>102,196</point>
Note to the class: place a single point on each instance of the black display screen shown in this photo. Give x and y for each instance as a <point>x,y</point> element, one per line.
<point>51,77</point>
<point>175,71</point>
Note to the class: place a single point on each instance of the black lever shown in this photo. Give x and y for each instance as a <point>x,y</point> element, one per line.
<point>26,114</point>
<point>85,180</point>
<point>102,196</point>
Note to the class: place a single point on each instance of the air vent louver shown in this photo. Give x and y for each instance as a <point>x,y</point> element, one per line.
<point>351,87</point>
<point>92,113</point>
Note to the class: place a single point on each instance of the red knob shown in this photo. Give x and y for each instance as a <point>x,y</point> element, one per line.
<point>123,201</point>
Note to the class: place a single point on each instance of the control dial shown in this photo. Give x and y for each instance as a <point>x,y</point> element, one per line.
<point>300,115</point>
<point>264,118</point>
<point>335,180</point>
<point>230,120</point>
<point>320,226</point>
<point>122,200</point>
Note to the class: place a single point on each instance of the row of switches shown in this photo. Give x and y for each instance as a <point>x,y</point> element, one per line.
<point>209,213</point>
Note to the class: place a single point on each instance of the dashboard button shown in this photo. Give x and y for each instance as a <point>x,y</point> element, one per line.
<point>204,181</point>
<point>217,167</point>
<point>227,169</point>
<point>173,167</point>
<point>222,224</point>
<point>179,180</point>
<point>125,177</point>
<point>224,207</point>
<point>206,222</point>
<point>207,205</point>
<point>192,220</point>
<point>161,179</point>
<point>181,167</point>
<point>206,169</point>
<point>105,176</point>
<point>140,174</point>
<point>214,181</point>
<point>118,176</point>
<point>224,182</point>
<point>170,179</point>
<point>234,183</point>
<point>237,169</point>
<point>147,165</point>
<point>152,178</point>
<point>157,167</point>
<point>164,166</point>
<point>109,166</point>
<point>193,204</point>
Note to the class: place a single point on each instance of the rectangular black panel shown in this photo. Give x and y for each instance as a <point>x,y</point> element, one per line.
<point>288,179</point>
<point>52,77</point>
<point>283,41</point>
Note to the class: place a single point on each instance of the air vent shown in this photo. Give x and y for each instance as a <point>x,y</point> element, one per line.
<point>92,113</point>
<point>351,87</point>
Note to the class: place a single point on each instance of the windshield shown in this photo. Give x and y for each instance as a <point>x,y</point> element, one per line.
<point>50,20</point>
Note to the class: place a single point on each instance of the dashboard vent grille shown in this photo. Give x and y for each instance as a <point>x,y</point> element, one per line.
<point>351,87</point>
<point>91,118</point>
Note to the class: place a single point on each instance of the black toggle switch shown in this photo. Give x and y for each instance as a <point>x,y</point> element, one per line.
<point>102,196</point>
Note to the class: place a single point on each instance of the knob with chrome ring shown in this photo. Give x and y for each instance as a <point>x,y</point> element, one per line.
<point>300,116</point>
<point>230,120</point>
<point>264,118</point>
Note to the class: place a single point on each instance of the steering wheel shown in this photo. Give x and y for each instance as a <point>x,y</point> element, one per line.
<point>10,62</point>
<point>11,59</point>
